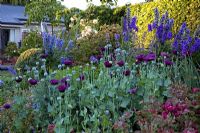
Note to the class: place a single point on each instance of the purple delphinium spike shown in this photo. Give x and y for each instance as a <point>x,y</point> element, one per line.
<point>150,28</point>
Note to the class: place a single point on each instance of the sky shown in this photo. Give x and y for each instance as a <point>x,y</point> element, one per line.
<point>82,4</point>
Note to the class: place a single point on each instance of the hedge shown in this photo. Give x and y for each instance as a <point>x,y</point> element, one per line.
<point>180,10</point>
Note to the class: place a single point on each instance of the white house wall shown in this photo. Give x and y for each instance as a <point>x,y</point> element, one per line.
<point>15,35</point>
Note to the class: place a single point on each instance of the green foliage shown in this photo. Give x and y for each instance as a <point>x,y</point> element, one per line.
<point>11,49</point>
<point>182,11</point>
<point>27,57</point>
<point>44,10</point>
<point>87,46</point>
<point>105,14</point>
<point>32,40</point>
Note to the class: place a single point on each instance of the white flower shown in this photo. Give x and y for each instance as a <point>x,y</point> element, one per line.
<point>95,21</point>
<point>72,19</point>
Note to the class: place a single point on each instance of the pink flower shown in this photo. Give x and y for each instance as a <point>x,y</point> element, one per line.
<point>165,115</point>
<point>195,90</point>
<point>51,128</point>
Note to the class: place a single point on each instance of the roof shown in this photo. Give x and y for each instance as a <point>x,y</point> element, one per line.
<point>12,15</point>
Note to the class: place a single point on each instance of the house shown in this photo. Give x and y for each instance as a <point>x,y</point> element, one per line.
<point>13,25</point>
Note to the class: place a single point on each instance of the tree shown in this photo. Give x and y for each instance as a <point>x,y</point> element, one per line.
<point>14,2</point>
<point>44,10</point>
<point>110,2</point>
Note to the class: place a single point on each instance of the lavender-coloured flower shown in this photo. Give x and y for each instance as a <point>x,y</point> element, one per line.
<point>1,83</point>
<point>120,63</point>
<point>167,62</point>
<point>108,64</point>
<point>93,59</point>
<point>133,91</point>
<point>54,81</point>
<point>63,87</point>
<point>33,81</point>
<point>6,106</point>
<point>127,72</point>
<point>117,37</point>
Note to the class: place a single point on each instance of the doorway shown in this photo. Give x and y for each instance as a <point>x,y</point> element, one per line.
<point>4,38</point>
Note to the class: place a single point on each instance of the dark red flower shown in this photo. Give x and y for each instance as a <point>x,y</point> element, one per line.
<point>51,128</point>
<point>107,64</point>
<point>68,62</point>
<point>167,62</point>
<point>165,115</point>
<point>150,57</point>
<point>63,87</point>
<point>18,79</point>
<point>64,80</point>
<point>54,81</point>
<point>102,49</point>
<point>99,57</point>
<point>140,58</point>
<point>195,90</point>
<point>82,77</point>
<point>127,72</point>
<point>33,81</point>
<point>6,106</point>
<point>120,63</point>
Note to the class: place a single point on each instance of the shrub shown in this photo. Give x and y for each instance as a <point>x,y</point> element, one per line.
<point>182,11</point>
<point>26,57</point>
<point>32,40</point>
<point>90,45</point>
<point>11,49</point>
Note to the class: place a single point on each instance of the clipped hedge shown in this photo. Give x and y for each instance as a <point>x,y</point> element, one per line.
<point>180,10</point>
